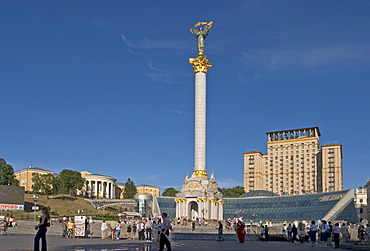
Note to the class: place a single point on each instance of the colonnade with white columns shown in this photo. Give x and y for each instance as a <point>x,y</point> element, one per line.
<point>95,188</point>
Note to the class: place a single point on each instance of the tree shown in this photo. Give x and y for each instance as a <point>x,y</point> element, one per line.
<point>70,181</point>
<point>7,174</point>
<point>37,183</point>
<point>129,190</point>
<point>234,192</point>
<point>44,184</point>
<point>170,192</point>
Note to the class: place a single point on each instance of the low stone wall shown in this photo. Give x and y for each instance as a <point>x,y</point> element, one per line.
<point>209,236</point>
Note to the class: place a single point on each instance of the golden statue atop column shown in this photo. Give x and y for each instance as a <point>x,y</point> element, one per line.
<point>200,30</point>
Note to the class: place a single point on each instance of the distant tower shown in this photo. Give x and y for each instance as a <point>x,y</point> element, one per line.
<point>199,196</point>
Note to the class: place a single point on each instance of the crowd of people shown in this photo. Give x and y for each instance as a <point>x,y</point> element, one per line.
<point>5,223</point>
<point>322,233</point>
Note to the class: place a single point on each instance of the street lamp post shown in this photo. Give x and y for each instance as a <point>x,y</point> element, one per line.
<point>34,207</point>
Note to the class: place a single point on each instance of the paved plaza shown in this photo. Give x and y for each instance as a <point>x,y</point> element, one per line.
<point>55,242</point>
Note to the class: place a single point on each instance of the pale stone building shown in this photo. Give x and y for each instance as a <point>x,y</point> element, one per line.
<point>295,163</point>
<point>141,190</point>
<point>361,202</point>
<point>368,199</point>
<point>25,176</point>
<point>147,189</point>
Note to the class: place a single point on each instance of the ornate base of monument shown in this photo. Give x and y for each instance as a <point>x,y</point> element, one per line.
<point>199,198</point>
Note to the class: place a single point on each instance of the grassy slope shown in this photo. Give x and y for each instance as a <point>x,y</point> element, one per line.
<point>62,205</point>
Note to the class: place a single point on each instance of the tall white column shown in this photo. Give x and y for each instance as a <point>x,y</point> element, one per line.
<point>105,189</point>
<point>201,65</point>
<point>114,191</point>
<point>96,188</point>
<point>84,192</point>
<point>200,122</point>
<point>90,189</point>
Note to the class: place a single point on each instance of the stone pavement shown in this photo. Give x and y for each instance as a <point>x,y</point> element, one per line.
<point>17,241</point>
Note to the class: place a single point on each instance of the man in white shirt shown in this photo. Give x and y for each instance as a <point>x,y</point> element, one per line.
<point>148,230</point>
<point>165,231</point>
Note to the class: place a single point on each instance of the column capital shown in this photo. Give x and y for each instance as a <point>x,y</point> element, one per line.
<point>200,64</point>
<point>201,173</point>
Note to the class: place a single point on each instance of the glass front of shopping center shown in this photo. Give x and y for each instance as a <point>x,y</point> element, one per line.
<point>334,206</point>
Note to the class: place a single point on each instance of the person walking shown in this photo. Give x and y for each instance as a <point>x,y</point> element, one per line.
<point>329,233</point>
<point>294,232</point>
<point>118,230</point>
<point>193,226</point>
<point>70,226</point>
<point>336,233</point>
<point>128,231</point>
<point>290,232</point>
<point>267,233</point>
<point>65,229</point>
<point>240,231</point>
<point>148,230</point>
<point>103,229</point>
<point>42,229</point>
<point>312,233</point>
<point>141,230</point>
<point>367,233</point>
<point>324,230</point>
<point>220,229</point>
<point>361,233</point>
<point>344,232</point>
<point>165,232</point>
<point>263,236</point>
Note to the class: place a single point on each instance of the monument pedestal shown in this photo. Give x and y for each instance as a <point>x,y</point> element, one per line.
<point>199,198</point>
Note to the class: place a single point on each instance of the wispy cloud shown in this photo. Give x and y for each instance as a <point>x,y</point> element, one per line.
<point>307,57</point>
<point>152,67</point>
<point>174,111</point>
<point>146,43</point>
<point>161,76</point>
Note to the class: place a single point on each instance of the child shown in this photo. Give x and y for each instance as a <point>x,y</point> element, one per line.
<point>134,229</point>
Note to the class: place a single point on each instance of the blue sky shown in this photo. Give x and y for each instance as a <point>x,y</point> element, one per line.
<point>105,86</point>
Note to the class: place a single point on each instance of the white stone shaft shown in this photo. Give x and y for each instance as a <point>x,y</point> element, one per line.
<point>200,122</point>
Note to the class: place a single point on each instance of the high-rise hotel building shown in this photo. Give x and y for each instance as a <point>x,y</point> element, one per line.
<point>295,163</point>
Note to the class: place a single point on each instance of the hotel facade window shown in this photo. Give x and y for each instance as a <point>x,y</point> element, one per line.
<point>316,170</point>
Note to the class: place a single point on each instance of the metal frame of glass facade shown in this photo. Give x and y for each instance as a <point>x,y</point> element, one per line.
<point>335,205</point>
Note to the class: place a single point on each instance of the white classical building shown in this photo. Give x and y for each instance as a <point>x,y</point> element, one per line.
<point>98,186</point>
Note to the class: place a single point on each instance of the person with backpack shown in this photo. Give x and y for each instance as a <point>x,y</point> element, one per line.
<point>324,233</point>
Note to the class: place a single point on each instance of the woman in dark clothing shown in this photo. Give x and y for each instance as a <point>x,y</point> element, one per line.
<point>295,232</point>
<point>42,228</point>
